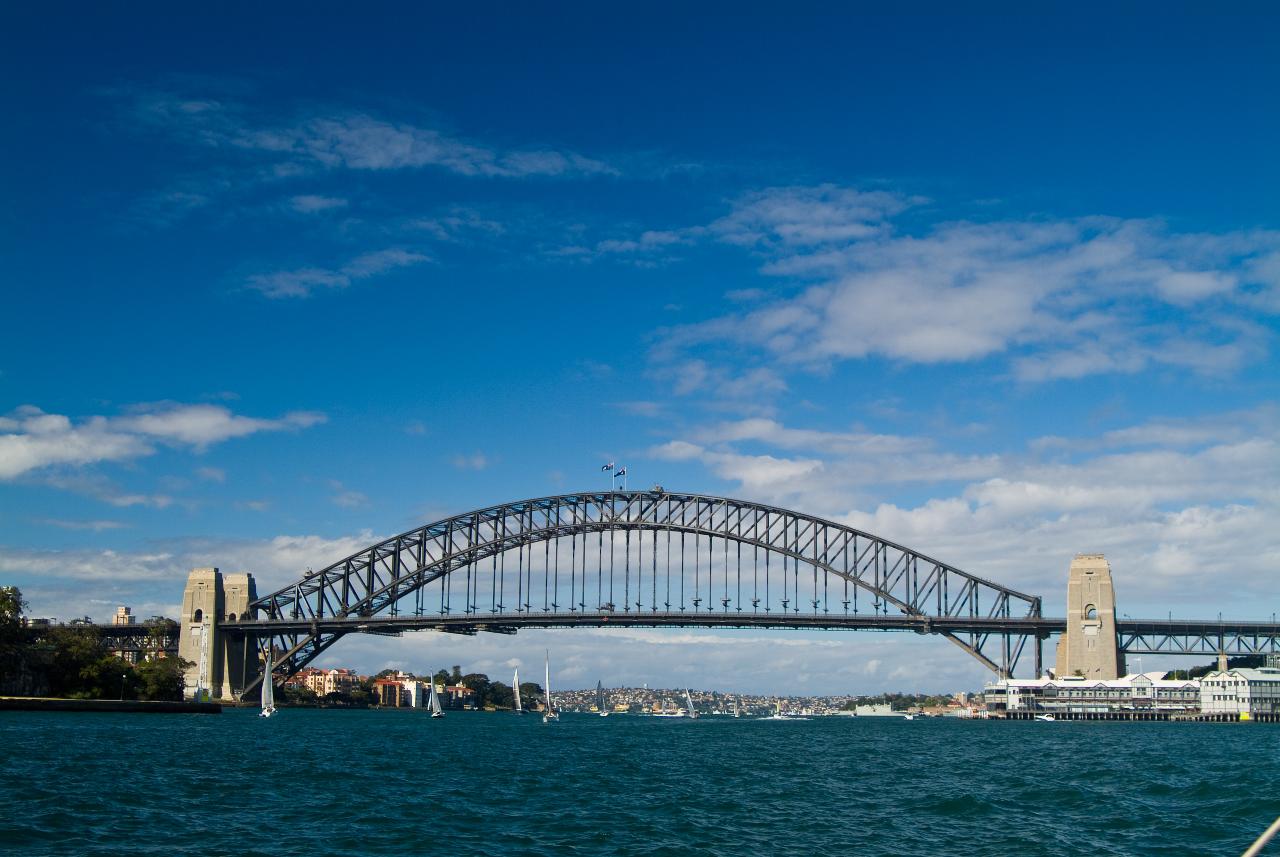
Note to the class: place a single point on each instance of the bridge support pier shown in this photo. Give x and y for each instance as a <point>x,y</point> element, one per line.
<point>1090,646</point>
<point>220,666</point>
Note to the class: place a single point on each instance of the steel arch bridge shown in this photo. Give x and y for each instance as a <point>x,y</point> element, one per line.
<point>637,558</point>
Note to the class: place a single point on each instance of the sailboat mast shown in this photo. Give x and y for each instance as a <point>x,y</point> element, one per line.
<point>547,680</point>
<point>515,686</point>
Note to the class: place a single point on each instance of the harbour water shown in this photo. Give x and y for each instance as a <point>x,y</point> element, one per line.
<point>396,782</point>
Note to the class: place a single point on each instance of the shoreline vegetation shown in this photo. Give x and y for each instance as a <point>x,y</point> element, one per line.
<point>73,662</point>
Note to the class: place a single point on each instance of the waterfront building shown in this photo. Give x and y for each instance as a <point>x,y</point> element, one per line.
<point>391,693</point>
<point>416,692</point>
<point>1243,692</point>
<point>1141,693</point>
<point>325,682</point>
<point>460,696</point>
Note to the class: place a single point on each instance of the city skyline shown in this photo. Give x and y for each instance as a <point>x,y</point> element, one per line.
<point>1000,288</point>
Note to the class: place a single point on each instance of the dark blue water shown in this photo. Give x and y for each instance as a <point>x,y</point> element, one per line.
<point>384,782</point>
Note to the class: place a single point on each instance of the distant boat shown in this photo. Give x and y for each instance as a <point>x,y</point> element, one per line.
<point>735,707</point>
<point>1046,717</point>
<point>908,717</point>
<point>688,701</point>
<point>604,712</point>
<point>268,692</point>
<point>777,712</point>
<point>549,714</point>
<point>433,702</point>
<point>515,686</point>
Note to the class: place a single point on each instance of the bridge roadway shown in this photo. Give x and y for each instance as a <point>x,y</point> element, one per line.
<point>1137,636</point>
<point>1193,637</point>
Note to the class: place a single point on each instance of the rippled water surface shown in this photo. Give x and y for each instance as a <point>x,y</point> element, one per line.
<point>396,782</point>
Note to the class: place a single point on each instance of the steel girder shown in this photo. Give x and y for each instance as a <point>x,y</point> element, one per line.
<point>298,622</point>
<point>1198,638</point>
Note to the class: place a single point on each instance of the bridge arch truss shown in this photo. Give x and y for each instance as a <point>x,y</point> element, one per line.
<point>649,558</point>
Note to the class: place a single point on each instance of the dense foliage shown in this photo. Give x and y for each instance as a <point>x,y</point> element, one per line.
<point>73,662</point>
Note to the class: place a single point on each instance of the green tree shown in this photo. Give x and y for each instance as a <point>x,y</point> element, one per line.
<point>161,678</point>
<point>530,692</point>
<point>74,668</point>
<point>11,634</point>
<point>500,696</point>
<point>479,683</point>
<point>456,677</point>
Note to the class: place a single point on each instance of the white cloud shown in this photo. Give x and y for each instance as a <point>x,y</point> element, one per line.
<point>1181,507</point>
<point>303,282</point>
<point>1058,299</point>
<point>200,426</point>
<point>33,440</point>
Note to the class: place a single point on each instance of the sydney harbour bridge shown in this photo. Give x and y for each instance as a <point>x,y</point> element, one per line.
<point>649,559</point>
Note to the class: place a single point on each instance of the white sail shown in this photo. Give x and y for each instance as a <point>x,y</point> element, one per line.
<point>515,687</point>
<point>688,699</point>
<point>549,713</point>
<point>268,690</point>
<point>434,701</point>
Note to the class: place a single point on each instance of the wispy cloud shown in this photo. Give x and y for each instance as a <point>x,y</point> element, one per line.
<point>810,216</point>
<point>312,203</point>
<point>32,440</point>
<point>346,498</point>
<point>304,282</point>
<point>340,138</point>
<point>474,461</point>
<point>92,526</point>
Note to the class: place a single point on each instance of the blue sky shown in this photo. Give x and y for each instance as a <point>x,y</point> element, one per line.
<point>1000,286</point>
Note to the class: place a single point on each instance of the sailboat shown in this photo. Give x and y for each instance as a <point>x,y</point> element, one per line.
<point>549,713</point>
<point>268,691</point>
<point>604,712</point>
<point>735,707</point>
<point>515,687</point>
<point>433,701</point>
<point>688,701</point>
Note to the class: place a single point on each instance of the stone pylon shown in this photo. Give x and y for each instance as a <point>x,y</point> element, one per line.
<point>209,600</point>
<point>1090,647</point>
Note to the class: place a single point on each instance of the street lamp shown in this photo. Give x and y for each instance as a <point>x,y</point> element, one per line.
<point>123,676</point>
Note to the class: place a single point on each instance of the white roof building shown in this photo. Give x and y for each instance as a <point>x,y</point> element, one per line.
<point>1139,692</point>
<point>1241,691</point>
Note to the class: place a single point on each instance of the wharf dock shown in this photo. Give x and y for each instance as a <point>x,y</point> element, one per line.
<point>1141,716</point>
